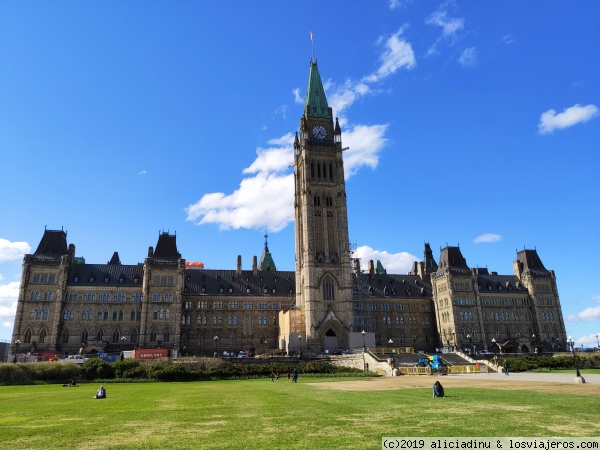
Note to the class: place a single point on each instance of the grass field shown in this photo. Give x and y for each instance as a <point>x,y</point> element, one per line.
<point>259,414</point>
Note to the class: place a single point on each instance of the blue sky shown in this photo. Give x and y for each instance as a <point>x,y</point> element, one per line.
<point>468,123</point>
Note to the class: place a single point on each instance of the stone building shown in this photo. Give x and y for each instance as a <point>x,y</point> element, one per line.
<point>327,304</point>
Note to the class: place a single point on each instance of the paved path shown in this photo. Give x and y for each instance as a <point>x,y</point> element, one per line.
<point>533,376</point>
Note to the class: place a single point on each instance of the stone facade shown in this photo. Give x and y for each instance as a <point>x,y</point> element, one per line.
<point>328,303</point>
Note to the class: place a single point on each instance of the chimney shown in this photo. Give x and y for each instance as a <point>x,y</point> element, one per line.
<point>238,270</point>
<point>371,267</point>
<point>254,266</point>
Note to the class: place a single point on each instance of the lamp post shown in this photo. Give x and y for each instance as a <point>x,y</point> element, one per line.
<point>470,344</point>
<point>216,339</point>
<point>364,343</point>
<point>494,345</point>
<point>123,339</point>
<point>571,342</point>
<point>533,340</point>
<point>454,341</point>
<point>17,343</point>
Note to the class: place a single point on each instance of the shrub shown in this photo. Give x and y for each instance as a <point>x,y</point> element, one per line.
<point>95,368</point>
<point>128,368</point>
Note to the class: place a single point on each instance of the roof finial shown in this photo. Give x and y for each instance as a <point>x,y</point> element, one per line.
<point>312,44</point>
<point>266,235</point>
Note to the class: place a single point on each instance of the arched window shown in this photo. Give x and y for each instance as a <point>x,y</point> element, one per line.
<point>153,335</point>
<point>27,338</point>
<point>167,335</point>
<point>65,314</point>
<point>114,314</point>
<point>84,336</point>
<point>106,314</point>
<point>72,314</point>
<point>328,293</point>
<point>115,336</point>
<point>84,314</point>
<point>65,337</point>
<point>132,318</point>
<point>43,335</point>
<point>121,314</point>
<point>139,314</point>
<point>133,336</point>
<point>45,314</point>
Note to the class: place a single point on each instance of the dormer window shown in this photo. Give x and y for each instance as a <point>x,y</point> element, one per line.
<point>203,290</point>
<point>136,280</point>
<point>106,280</point>
<point>248,290</point>
<point>76,279</point>
<point>121,279</point>
<point>92,279</point>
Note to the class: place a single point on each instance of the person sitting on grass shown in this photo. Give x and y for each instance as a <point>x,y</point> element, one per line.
<point>101,393</point>
<point>438,389</point>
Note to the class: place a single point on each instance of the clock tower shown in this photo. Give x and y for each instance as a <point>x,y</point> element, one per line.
<point>323,265</point>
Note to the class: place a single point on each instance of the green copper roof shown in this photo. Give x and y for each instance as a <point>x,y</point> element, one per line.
<point>315,95</point>
<point>380,268</point>
<point>266,261</point>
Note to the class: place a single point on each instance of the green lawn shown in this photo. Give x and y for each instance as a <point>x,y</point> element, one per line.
<point>259,414</point>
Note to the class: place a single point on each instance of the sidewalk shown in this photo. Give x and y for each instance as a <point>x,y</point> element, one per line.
<point>532,376</point>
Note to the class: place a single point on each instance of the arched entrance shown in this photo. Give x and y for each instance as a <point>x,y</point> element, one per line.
<point>332,336</point>
<point>330,343</point>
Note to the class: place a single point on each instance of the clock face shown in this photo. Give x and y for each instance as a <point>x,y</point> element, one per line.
<point>319,132</point>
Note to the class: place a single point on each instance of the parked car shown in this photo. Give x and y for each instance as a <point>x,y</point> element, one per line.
<point>243,355</point>
<point>485,353</point>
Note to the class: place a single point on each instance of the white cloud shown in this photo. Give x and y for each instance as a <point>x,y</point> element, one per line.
<point>9,294</point>
<point>450,26</point>
<point>590,314</point>
<point>399,3</point>
<point>398,54</point>
<point>365,144</point>
<point>10,251</point>
<point>468,57</point>
<point>487,237</point>
<point>263,199</point>
<point>143,172</point>
<point>397,263</point>
<point>508,39</point>
<point>550,120</point>
<point>297,97</point>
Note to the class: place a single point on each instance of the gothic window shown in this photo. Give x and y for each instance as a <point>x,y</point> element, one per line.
<point>167,314</point>
<point>65,337</point>
<point>132,317</point>
<point>32,313</point>
<point>43,336</point>
<point>121,314</point>
<point>153,335</point>
<point>139,314</point>
<point>105,313</point>
<point>65,314</point>
<point>133,336</point>
<point>155,314</point>
<point>114,315</point>
<point>100,335</point>
<point>167,335</point>
<point>28,336</point>
<point>317,200</point>
<point>83,314</point>
<point>99,314</point>
<point>232,339</point>
<point>115,337</point>
<point>328,292</point>
<point>84,337</point>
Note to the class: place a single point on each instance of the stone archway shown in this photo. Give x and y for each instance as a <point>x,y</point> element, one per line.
<point>332,336</point>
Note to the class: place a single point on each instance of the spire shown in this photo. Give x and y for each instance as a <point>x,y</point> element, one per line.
<point>266,260</point>
<point>316,102</point>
